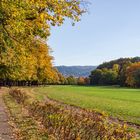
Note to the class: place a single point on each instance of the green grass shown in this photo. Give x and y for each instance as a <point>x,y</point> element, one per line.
<point>123,103</point>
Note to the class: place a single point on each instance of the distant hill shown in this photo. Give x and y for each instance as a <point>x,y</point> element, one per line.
<point>76,71</point>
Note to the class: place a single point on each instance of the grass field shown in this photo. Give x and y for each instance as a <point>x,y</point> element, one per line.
<point>123,103</point>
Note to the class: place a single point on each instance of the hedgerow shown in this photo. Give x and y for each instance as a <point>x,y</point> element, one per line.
<point>67,124</point>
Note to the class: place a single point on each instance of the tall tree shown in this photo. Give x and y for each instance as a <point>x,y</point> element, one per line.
<point>24,29</point>
<point>133,75</point>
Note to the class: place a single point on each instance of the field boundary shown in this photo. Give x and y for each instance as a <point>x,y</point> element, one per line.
<point>78,108</point>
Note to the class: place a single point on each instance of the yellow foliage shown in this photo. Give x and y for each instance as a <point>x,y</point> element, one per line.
<point>24,29</point>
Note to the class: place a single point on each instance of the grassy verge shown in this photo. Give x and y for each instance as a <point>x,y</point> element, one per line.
<point>25,127</point>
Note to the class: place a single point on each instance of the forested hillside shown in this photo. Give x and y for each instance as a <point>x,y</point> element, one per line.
<point>76,71</point>
<point>123,71</point>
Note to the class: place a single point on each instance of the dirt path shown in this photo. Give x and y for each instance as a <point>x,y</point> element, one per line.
<point>5,128</point>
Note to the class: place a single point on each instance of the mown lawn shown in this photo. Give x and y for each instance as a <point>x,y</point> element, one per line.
<point>123,103</point>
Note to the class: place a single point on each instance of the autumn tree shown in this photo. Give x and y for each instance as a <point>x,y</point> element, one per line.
<point>87,81</point>
<point>24,20</point>
<point>133,75</point>
<point>24,28</point>
<point>81,81</point>
<point>71,80</point>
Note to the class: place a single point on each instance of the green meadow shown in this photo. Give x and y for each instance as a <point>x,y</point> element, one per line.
<point>123,103</point>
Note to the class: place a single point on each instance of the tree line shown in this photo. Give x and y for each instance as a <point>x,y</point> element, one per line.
<point>71,80</point>
<point>123,72</point>
<point>24,30</point>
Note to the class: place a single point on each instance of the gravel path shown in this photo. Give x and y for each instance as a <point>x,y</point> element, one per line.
<point>5,128</point>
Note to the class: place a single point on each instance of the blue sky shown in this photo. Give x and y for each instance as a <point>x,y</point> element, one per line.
<point>109,31</point>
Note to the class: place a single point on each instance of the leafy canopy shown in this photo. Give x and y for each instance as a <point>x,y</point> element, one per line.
<point>24,28</point>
